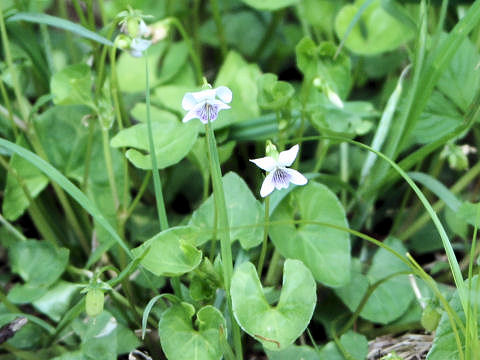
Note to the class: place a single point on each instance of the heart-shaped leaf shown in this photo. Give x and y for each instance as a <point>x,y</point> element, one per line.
<point>169,254</point>
<point>391,298</point>
<point>173,140</point>
<point>181,340</point>
<point>72,85</point>
<point>275,327</point>
<point>244,213</point>
<point>375,32</point>
<point>325,251</point>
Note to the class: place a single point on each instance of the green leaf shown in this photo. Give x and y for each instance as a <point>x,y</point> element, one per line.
<point>294,352</point>
<point>444,345</point>
<point>245,22</point>
<point>470,213</point>
<point>241,78</point>
<point>273,94</point>
<point>322,61</point>
<point>173,140</point>
<point>244,213</point>
<point>180,339</point>
<point>460,82</point>
<point>57,300</point>
<point>275,327</point>
<point>38,263</point>
<point>61,24</point>
<point>104,337</point>
<point>15,202</point>
<point>439,118</point>
<point>64,138</point>
<point>350,121</point>
<point>355,344</point>
<point>270,5</point>
<point>391,298</point>
<point>169,253</point>
<point>72,86</point>
<point>325,251</point>
<point>375,32</point>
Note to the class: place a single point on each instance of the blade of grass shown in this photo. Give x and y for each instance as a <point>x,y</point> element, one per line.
<point>60,24</point>
<point>54,175</point>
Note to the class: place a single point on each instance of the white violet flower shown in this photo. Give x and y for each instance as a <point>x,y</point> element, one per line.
<point>204,104</point>
<point>138,46</point>
<point>279,175</point>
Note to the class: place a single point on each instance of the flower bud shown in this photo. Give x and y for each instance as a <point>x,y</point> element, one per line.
<point>271,150</point>
<point>123,42</point>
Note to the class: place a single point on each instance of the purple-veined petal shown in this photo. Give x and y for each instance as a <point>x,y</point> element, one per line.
<point>281,178</point>
<point>267,185</point>
<point>296,177</point>
<point>266,163</point>
<point>287,157</point>
<point>219,104</point>
<point>224,94</point>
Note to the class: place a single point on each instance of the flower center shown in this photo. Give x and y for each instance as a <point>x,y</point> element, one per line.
<point>207,112</point>
<point>280,178</point>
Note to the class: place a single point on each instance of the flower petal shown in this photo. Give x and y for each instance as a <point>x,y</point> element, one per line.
<point>266,163</point>
<point>296,177</point>
<point>267,185</point>
<point>224,94</point>
<point>204,95</point>
<point>188,101</point>
<point>287,157</point>
<point>192,114</point>
<point>219,104</point>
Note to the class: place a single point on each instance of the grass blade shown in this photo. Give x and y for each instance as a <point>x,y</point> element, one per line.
<point>60,24</point>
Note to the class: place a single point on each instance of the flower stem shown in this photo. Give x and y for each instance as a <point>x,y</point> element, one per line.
<point>263,252</point>
<point>109,163</point>
<point>195,59</point>
<point>225,248</point>
<point>219,25</point>
<point>162,213</point>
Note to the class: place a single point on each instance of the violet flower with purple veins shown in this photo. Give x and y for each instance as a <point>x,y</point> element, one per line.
<point>206,104</point>
<point>279,175</point>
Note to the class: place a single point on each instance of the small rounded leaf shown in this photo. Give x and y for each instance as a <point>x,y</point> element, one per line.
<point>275,327</point>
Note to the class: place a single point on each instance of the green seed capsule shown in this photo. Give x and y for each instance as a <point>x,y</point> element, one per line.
<point>430,317</point>
<point>94,302</point>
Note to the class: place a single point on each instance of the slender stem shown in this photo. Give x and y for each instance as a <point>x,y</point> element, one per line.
<point>8,111</point>
<point>12,229</point>
<point>162,213</point>
<point>225,246</point>
<point>195,59</point>
<point>273,268</point>
<point>109,163</point>
<point>219,25</point>
<point>267,36</point>
<point>139,195</point>
<point>344,170</point>
<point>80,14</point>
<point>263,252</point>
<point>322,149</point>
<point>88,155</point>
